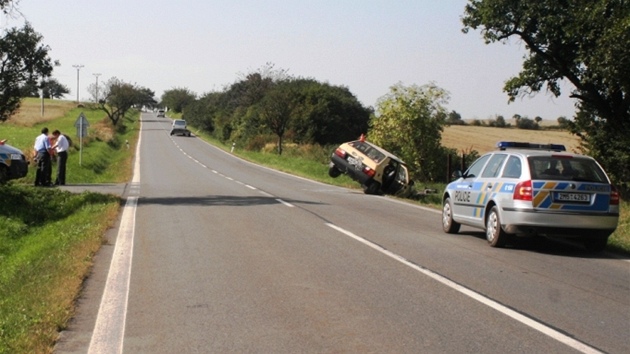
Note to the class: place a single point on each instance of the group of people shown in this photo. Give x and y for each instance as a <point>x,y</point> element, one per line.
<point>47,147</point>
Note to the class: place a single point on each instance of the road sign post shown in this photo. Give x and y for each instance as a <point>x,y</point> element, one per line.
<point>81,124</point>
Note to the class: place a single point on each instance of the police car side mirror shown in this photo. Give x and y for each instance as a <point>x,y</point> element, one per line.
<point>457,174</point>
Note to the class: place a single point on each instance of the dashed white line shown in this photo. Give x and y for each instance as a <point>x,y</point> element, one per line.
<point>285,203</point>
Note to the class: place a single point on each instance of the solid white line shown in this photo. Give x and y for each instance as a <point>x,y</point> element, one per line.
<point>563,338</point>
<point>109,330</point>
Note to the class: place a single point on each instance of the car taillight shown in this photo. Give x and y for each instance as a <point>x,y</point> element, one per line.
<point>523,191</point>
<point>368,171</point>
<point>614,196</point>
<point>339,152</point>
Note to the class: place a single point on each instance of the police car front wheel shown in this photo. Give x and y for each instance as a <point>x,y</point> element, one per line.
<point>449,225</point>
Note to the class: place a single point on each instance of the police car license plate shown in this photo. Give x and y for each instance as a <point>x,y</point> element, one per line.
<point>16,157</point>
<point>573,197</point>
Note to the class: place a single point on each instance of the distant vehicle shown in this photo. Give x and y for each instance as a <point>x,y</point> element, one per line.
<point>13,163</point>
<point>161,113</point>
<point>179,128</point>
<point>378,170</point>
<point>526,189</point>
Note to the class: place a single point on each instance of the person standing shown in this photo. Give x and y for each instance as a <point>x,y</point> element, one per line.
<point>43,151</point>
<point>61,147</point>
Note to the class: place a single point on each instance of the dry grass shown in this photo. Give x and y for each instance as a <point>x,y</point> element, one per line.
<point>30,112</point>
<point>484,139</point>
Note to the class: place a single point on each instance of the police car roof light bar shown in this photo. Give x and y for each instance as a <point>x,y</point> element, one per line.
<point>502,145</point>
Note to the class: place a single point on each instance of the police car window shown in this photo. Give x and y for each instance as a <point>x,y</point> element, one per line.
<point>566,168</point>
<point>494,166</point>
<point>513,168</point>
<point>475,169</point>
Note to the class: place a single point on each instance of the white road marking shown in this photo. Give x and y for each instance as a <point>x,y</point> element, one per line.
<point>109,330</point>
<point>250,187</point>
<point>285,203</point>
<point>530,322</point>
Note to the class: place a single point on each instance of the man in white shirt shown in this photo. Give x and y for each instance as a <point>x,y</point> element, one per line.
<point>61,146</point>
<point>44,167</point>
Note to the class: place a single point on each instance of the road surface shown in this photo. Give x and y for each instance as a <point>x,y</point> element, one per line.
<point>215,254</point>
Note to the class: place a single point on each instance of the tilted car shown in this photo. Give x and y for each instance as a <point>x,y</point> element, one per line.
<point>179,128</point>
<point>13,163</point>
<point>526,189</point>
<point>378,170</point>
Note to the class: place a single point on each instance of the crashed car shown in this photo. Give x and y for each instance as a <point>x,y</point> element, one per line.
<point>377,170</point>
<point>179,128</point>
<point>13,163</point>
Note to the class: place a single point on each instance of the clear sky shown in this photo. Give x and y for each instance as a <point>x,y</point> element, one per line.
<point>366,45</point>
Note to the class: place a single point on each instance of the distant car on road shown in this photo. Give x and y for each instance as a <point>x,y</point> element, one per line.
<point>13,163</point>
<point>378,170</point>
<point>179,127</point>
<point>526,189</point>
<point>161,113</point>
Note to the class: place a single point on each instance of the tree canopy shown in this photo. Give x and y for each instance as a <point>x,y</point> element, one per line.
<point>409,121</point>
<point>584,42</point>
<point>23,59</point>
<point>177,99</point>
<point>118,97</point>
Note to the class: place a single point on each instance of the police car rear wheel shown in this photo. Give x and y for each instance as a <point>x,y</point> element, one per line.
<point>494,233</point>
<point>449,225</point>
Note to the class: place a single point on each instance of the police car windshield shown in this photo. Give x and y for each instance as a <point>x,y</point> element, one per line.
<point>566,168</point>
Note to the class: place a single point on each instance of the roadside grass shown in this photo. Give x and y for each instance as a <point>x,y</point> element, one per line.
<point>47,240</point>
<point>314,165</point>
<point>48,236</point>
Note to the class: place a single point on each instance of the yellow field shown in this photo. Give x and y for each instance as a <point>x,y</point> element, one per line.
<point>30,112</point>
<point>465,138</point>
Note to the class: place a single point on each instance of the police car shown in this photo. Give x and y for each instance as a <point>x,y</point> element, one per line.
<point>13,163</point>
<point>525,189</point>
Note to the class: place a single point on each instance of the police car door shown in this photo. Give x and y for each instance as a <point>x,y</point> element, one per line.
<point>486,187</point>
<point>463,201</point>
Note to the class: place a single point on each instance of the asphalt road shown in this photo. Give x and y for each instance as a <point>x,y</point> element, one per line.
<point>226,256</point>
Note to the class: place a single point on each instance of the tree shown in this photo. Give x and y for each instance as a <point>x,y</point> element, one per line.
<point>584,42</point>
<point>326,114</point>
<point>23,60</point>
<point>455,118</point>
<point>54,89</point>
<point>177,99</point>
<point>409,121</point>
<point>276,110</point>
<point>118,97</point>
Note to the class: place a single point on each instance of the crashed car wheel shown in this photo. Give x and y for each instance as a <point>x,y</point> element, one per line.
<point>333,171</point>
<point>373,188</point>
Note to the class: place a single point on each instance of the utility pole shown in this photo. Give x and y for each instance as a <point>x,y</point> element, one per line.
<point>78,67</point>
<point>97,75</point>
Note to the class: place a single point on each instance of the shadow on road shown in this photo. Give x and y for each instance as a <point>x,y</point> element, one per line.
<point>219,200</point>
<point>551,246</point>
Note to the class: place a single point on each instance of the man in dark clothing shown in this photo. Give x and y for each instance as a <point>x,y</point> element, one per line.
<point>44,167</point>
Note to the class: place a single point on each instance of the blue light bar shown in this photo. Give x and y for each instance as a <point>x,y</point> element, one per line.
<point>502,145</point>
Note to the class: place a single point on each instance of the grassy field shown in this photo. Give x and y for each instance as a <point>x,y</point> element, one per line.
<point>47,236</point>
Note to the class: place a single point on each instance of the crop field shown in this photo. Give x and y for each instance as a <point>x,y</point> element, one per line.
<point>465,138</point>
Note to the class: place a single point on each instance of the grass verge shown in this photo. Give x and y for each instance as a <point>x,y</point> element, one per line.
<point>47,240</point>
